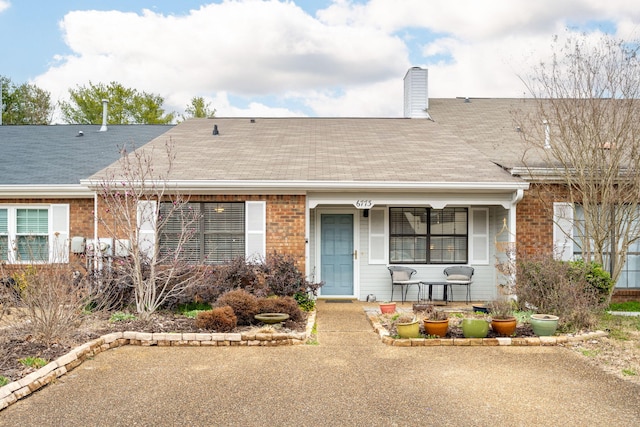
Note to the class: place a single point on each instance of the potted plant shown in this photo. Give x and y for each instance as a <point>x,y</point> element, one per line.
<point>544,324</point>
<point>387,307</point>
<point>436,322</point>
<point>475,325</point>
<point>407,326</point>
<point>503,322</point>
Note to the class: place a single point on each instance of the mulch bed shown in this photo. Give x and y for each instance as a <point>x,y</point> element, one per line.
<point>16,341</point>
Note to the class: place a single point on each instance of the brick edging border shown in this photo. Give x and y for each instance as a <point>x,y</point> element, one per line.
<point>16,390</point>
<point>383,333</point>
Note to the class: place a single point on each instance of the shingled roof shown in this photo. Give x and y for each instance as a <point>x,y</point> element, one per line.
<point>57,155</point>
<point>345,150</point>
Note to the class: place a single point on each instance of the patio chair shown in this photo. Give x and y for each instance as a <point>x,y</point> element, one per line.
<point>460,275</point>
<point>401,276</point>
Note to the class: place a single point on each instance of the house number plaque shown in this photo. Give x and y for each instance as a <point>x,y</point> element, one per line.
<point>363,204</point>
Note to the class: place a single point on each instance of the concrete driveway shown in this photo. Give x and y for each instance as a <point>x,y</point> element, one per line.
<point>349,379</point>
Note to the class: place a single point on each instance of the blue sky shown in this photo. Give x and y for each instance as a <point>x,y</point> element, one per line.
<point>293,58</point>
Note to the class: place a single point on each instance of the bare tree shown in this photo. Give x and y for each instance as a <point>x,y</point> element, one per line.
<point>583,137</point>
<point>136,206</point>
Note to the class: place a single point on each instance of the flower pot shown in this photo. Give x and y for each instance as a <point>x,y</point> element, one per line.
<point>504,327</point>
<point>408,330</point>
<point>475,328</point>
<point>387,307</point>
<point>480,309</point>
<point>436,327</point>
<point>544,324</point>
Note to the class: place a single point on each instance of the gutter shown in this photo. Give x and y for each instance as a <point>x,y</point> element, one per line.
<point>31,191</point>
<point>301,186</point>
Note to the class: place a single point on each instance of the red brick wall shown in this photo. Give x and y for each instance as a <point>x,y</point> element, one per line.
<point>285,218</point>
<point>534,217</point>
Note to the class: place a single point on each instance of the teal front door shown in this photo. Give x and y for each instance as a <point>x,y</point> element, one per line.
<point>336,257</point>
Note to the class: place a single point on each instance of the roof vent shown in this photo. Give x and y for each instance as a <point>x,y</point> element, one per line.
<point>467,100</point>
<point>103,128</point>
<point>252,121</point>
<point>80,133</point>
<point>215,130</point>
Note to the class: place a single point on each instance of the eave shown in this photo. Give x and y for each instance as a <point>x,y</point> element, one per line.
<point>73,191</point>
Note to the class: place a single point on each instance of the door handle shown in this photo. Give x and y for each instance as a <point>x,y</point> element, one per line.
<point>355,254</point>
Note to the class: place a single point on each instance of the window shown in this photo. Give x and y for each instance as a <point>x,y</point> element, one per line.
<point>428,236</point>
<point>24,234</point>
<point>4,235</point>
<point>216,231</point>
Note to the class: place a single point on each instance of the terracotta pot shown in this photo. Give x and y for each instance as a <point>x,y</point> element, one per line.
<point>387,307</point>
<point>504,327</point>
<point>475,328</point>
<point>544,324</point>
<point>408,330</point>
<point>436,327</point>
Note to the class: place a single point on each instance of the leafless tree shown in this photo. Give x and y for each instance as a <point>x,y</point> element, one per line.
<point>136,204</point>
<point>583,137</point>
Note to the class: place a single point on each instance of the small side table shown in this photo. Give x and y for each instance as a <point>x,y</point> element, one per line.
<point>445,288</point>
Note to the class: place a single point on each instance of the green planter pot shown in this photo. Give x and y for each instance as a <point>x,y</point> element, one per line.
<point>475,328</point>
<point>408,330</point>
<point>544,325</point>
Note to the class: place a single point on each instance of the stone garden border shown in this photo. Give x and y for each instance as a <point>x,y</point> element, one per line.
<point>386,338</point>
<point>23,387</point>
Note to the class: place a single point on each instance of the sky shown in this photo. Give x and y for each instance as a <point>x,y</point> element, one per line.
<point>317,58</point>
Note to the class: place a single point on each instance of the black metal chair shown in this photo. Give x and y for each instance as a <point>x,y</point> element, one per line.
<point>460,275</point>
<point>401,276</point>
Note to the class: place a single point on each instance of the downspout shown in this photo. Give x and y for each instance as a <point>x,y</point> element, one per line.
<point>96,246</point>
<point>518,195</point>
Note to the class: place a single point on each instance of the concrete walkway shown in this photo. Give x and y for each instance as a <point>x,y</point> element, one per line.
<point>349,379</point>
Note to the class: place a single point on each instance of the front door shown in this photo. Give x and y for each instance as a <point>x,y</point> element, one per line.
<point>336,254</point>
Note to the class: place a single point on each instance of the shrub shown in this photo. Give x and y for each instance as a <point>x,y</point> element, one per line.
<point>558,287</point>
<point>244,305</point>
<point>220,319</point>
<point>286,305</point>
<point>305,301</point>
<point>52,298</point>
<point>596,277</point>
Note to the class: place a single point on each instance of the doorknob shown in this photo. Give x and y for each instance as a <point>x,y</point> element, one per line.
<point>355,254</point>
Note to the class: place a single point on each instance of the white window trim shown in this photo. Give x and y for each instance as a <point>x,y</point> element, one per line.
<point>473,234</point>
<point>58,240</point>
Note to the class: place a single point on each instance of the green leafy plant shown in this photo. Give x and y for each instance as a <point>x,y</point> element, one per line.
<point>305,301</point>
<point>120,316</point>
<point>629,372</point>
<point>3,381</point>
<point>33,362</point>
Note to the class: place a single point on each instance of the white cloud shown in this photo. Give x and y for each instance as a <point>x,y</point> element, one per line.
<point>4,5</point>
<point>348,60</point>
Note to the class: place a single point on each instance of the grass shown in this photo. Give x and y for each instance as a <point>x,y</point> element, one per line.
<point>192,309</point>
<point>3,381</point>
<point>625,306</point>
<point>629,372</point>
<point>590,353</point>
<point>119,316</point>
<point>33,362</point>
<point>619,326</point>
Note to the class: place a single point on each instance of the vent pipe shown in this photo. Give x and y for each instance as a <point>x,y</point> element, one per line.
<point>103,128</point>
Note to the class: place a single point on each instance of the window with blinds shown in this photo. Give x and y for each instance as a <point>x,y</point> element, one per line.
<point>214,233</point>
<point>428,236</point>
<point>32,234</point>
<point>4,235</point>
